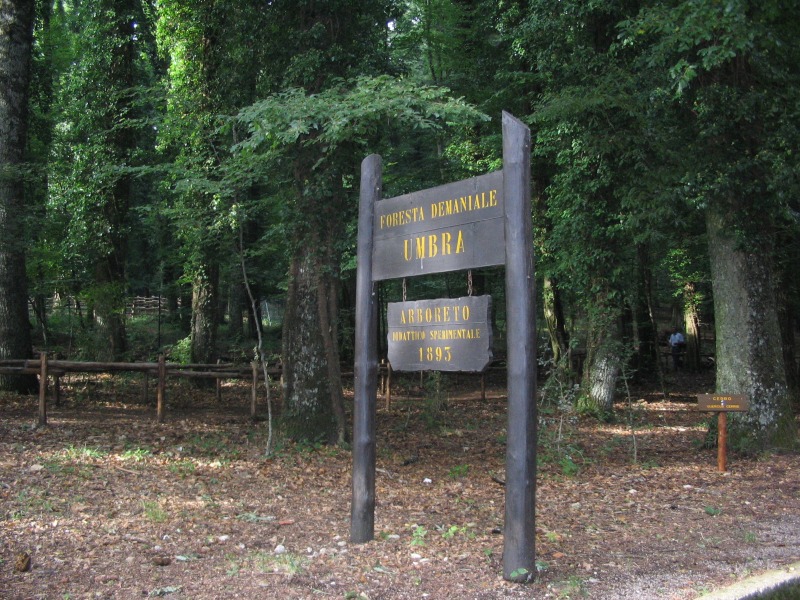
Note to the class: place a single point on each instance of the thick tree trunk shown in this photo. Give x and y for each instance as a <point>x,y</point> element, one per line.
<point>16,31</point>
<point>308,412</point>
<point>749,352</point>
<point>602,368</point>
<point>204,315</point>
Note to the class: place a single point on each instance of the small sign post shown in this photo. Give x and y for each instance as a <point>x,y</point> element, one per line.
<point>722,404</point>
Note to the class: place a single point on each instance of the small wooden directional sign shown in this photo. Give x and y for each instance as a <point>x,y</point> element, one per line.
<point>452,334</point>
<point>723,403</point>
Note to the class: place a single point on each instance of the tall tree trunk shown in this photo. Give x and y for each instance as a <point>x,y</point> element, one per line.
<point>602,368</point>
<point>204,315</point>
<point>328,305</point>
<point>749,354</point>
<point>308,412</point>
<point>16,32</point>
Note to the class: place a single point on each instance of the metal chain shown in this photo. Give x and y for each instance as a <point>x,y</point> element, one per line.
<point>469,282</point>
<point>404,289</point>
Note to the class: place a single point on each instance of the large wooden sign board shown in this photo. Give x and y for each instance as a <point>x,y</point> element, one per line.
<point>452,227</point>
<point>479,222</point>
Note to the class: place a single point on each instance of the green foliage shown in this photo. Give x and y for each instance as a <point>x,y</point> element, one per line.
<point>458,471</point>
<point>418,535</point>
<point>153,511</point>
<point>181,351</point>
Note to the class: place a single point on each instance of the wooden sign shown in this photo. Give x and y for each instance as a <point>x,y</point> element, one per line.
<point>480,222</point>
<point>451,227</point>
<point>440,335</point>
<point>723,402</point>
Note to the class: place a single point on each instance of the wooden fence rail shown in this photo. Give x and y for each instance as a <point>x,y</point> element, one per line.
<point>161,370</point>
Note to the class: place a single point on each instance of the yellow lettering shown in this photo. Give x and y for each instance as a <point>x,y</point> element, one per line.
<point>433,247</point>
<point>420,247</point>
<point>446,237</point>
<point>459,243</point>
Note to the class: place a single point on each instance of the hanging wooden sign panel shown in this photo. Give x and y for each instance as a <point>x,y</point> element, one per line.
<point>451,227</point>
<point>450,334</point>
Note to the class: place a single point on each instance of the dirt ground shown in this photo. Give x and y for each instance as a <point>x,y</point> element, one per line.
<point>109,504</point>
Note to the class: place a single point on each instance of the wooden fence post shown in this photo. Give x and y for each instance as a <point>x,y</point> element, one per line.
<point>162,386</point>
<point>219,385</point>
<point>43,390</point>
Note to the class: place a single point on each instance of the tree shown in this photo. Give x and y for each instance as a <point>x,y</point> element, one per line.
<point>729,72</point>
<point>324,136</point>
<point>16,33</point>
<point>217,58</point>
<point>589,151</point>
<point>99,147</point>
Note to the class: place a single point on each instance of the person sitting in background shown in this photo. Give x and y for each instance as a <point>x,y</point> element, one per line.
<point>677,344</point>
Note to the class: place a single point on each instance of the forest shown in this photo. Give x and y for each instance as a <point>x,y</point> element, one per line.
<point>207,153</point>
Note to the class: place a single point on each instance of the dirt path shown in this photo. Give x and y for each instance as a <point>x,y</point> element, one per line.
<point>108,504</point>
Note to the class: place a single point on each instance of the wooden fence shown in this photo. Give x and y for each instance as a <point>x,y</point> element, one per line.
<point>47,368</point>
<point>54,369</point>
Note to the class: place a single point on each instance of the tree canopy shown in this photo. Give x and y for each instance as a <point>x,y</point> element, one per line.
<point>163,145</point>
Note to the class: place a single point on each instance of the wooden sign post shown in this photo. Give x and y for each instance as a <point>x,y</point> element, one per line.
<point>479,222</point>
<point>722,404</point>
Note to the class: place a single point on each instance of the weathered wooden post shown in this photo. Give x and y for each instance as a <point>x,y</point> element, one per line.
<point>219,384</point>
<point>519,535</point>
<point>43,389</point>
<point>722,442</point>
<point>162,386</point>
<point>362,518</point>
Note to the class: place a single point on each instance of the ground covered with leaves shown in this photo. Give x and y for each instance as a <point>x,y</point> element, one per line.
<point>107,503</point>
